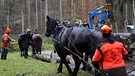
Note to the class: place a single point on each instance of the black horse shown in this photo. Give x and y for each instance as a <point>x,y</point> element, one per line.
<point>23,45</point>
<point>74,41</point>
<point>36,43</point>
<point>132,37</point>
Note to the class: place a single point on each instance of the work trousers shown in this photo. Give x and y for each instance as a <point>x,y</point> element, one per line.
<point>121,71</point>
<point>4,53</point>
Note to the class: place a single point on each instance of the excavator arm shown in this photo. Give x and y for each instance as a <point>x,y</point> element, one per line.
<point>101,10</point>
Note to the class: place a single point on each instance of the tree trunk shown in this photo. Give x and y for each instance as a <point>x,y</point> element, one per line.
<point>46,11</point>
<point>28,6</point>
<point>8,18</point>
<point>72,9</point>
<point>22,15</point>
<point>61,10</point>
<point>36,15</point>
<point>22,21</point>
<point>41,14</point>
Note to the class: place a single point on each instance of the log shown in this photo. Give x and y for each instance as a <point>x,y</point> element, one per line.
<point>42,58</point>
<point>53,58</point>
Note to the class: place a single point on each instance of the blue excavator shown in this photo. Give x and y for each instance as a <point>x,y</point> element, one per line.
<point>105,10</point>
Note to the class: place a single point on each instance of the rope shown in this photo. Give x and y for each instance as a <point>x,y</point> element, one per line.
<point>76,48</point>
<point>131,66</point>
<point>78,56</point>
<point>70,51</point>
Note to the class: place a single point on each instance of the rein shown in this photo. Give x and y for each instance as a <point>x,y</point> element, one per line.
<point>76,48</point>
<point>78,57</point>
<point>66,47</point>
<point>71,51</point>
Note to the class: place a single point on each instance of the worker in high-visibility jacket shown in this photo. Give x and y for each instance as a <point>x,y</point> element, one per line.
<point>110,55</point>
<point>5,44</point>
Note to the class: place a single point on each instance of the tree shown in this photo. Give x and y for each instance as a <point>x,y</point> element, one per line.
<point>8,5</point>
<point>36,14</point>
<point>28,6</point>
<point>46,11</point>
<point>41,14</point>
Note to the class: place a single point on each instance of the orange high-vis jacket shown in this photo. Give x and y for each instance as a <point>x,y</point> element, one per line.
<point>112,56</point>
<point>5,41</point>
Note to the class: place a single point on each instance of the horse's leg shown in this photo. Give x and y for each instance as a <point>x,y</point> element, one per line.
<point>26,53</point>
<point>21,52</point>
<point>63,60</point>
<point>84,63</point>
<point>59,70</point>
<point>36,50</point>
<point>86,66</point>
<point>40,50</point>
<point>33,49</point>
<point>77,65</point>
<point>68,67</point>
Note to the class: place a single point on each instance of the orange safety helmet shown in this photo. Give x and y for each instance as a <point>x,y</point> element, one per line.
<point>106,29</point>
<point>8,30</point>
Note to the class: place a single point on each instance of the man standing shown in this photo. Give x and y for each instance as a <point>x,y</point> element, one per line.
<point>24,41</point>
<point>5,44</point>
<point>110,55</point>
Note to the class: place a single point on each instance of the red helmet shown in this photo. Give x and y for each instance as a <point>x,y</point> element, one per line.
<point>8,30</point>
<point>106,29</point>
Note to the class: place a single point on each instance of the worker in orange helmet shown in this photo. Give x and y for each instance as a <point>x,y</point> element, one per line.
<point>109,56</point>
<point>5,44</point>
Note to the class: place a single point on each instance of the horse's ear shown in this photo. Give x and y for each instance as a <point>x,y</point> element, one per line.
<point>47,17</point>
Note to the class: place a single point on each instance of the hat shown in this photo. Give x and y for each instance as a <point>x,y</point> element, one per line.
<point>8,30</point>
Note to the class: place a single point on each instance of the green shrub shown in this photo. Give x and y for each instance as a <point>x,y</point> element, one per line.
<point>14,47</point>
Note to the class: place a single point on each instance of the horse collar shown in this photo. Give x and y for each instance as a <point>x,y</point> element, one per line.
<point>57,29</point>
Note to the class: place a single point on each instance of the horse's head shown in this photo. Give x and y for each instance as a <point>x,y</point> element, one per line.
<point>50,26</point>
<point>132,37</point>
<point>117,38</point>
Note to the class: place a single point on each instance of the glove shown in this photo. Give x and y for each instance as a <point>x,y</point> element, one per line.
<point>13,40</point>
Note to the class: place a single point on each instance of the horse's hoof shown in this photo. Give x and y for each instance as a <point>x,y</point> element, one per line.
<point>83,68</point>
<point>33,56</point>
<point>26,57</point>
<point>89,69</point>
<point>71,74</point>
<point>22,55</point>
<point>59,71</point>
